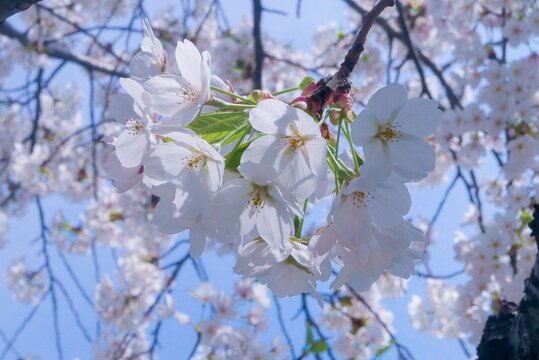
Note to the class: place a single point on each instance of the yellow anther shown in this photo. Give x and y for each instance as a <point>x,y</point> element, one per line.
<point>295,142</point>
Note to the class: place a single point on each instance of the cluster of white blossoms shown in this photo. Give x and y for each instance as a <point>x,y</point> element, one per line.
<point>27,284</point>
<point>246,175</point>
<point>494,123</point>
<point>360,326</point>
<point>239,322</point>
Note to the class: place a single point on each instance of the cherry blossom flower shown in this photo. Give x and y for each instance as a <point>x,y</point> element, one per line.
<point>181,97</point>
<point>151,60</point>
<point>255,201</point>
<point>293,146</point>
<point>390,130</point>
<point>290,277</point>
<point>135,140</point>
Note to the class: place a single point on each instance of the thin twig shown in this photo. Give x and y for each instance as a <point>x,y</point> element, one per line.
<point>259,49</point>
<point>56,52</point>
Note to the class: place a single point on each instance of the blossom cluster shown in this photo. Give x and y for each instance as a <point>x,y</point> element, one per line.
<point>247,177</point>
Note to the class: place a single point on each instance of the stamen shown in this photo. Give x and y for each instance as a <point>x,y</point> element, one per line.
<point>258,198</point>
<point>388,133</point>
<point>360,198</point>
<point>188,94</point>
<point>195,161</point>
<point>295,142</point>
<point>134,126</point>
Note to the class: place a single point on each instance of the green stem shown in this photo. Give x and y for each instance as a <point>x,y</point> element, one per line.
<point>285,91</point>
<point>355,155</point>
<point>228,106</point>
<point>300,226</point>
<point>231,94</point>
<point>337,153</point>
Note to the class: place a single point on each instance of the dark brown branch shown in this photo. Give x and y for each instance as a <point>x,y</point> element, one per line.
<point>332,87</point>
<point>59,53</point>
<point>11,7</point>
<point>513,333</point>
<point>388,29</point>
<point>412,50</point>
<point>259,49</point>
<point>350,60</point>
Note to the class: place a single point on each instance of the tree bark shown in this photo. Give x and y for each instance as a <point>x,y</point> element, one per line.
<point>514,332</point>
<point>11,7</point>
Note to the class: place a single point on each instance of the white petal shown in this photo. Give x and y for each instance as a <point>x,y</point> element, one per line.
<point>131,147</point>
<point>352,223</point>
<point>121,107</point>
<point>323,241</point>
<point>215,174</point>
<point>166,218</point>
<point>297,177</point>
<point>136,91</point>
<point>378,163</point>
<point>206,77</point>
<point>275,226</point>
<point>192,196</point>
<point>229,212</point>
<point>144,65</point>
<point>197,241</point>
<point>124,178</point>
<point>387,102</point>
<point>267,151</point>
<point>419,117</point>
<point>273,117</point>
<point>258,161</point>
<point>164,162</point>
<point>412,157</point>
<point>304,124</point>
<point>171,95</point>
<point>365,128</point>
<point>389,203</point>
<point>317,154</point>
<point>189,62</point>
<point>150,43</point>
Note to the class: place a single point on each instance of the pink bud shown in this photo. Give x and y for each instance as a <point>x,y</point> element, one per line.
<point>345,101</point>
<point>309,89</point>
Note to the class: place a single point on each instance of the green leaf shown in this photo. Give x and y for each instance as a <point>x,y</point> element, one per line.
<point>217,126</point>
<point>309,334</point>
<point>365,58</point>
<point>385,349</point>
<point>340,35</point>
<point>232,159</point>
<point>319,346</point>
<point>525,217</point>
<point>308,80</point>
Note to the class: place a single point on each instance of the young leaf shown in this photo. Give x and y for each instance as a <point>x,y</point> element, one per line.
<point>319,346</point>
<point>308,80</point>
<point>232,159</point>
<point>216,126</point>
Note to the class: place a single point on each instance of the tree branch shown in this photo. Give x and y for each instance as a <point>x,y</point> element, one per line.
<point>11,7</point>
<point>259,49</point>
<point>332,87</point>
<point>352,57</point>
<point>56,52</point>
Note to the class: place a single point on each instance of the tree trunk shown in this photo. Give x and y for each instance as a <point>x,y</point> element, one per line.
<point>514,332</point>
